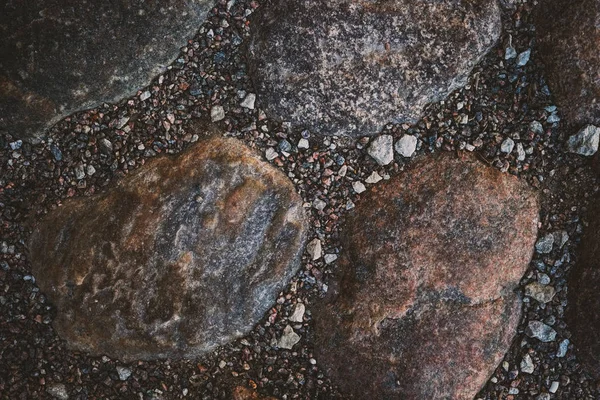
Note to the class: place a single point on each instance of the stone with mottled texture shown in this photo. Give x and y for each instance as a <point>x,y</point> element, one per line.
<point>432,258</point>
<point>583,310</point>
<point>345,67</point>
<point>61,56</point>
<point>182,255</point>
<point>569,44</point>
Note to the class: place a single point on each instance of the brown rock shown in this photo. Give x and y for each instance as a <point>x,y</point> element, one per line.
<point>583,311</point>
<point>425,307</point>
<point>182,255</point>
<point>243,393</point>
<point>569,44</point>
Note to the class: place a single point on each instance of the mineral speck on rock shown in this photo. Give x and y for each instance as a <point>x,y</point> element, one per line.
<point>585,142</point>
<point>60,56</point>
<point>182,255</point>
<point>348,68</point>
<point>430,262</point>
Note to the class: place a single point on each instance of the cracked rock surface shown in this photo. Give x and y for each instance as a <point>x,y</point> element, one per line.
<point>431,261</point>
<point>184,254</point>
<point>62,56</point>
<point>349,68</point>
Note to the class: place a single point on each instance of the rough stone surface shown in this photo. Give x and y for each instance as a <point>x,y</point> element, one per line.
<point>431,263</point>
<point>569,44</point>
<point>184,254</point>
<point>348,68</point>
<point>60,56</point>
<point>585,142</point>
<point>584,297</point>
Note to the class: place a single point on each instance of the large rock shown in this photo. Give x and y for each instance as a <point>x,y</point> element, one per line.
<point>60,56</point>
<point>568,35</point>
<point>583,311</point>
<point>182,255</point>
<point>425,307</point>
<point>348,68</point>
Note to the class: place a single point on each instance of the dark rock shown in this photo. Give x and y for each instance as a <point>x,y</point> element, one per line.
<point>182,255</point>
<point>583,311</point>
<point>348,68</point>
<point>569,44</point>
<point>431,262</point>
<point>60,56</point>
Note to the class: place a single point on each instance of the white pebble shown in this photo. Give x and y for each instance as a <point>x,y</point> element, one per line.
<point>217,113</point>
<point>406,146</point>
<point>358,187</point>
<point>249,101</point>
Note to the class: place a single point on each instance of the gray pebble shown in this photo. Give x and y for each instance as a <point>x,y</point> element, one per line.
<point>544,245</point>
<point>406,146</point>
<point>381,149</point>
<point>585,142</point>
<point>540,331</point>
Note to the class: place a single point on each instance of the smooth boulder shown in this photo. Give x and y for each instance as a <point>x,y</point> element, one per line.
<point>425,304</point>
<point>61,56</point>
<point>349,68</point>
<point>182,255</point>
<point>568,36</point>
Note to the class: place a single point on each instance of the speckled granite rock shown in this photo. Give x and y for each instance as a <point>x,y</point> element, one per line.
<point>431,261</point>
<point>184,254</point>
<point>348,68</point>
<point>60,56</point>
<point>568,34</point>
<point>583,311</point>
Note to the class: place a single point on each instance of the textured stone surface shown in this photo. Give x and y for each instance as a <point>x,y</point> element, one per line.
<point>431,261</point>
<point>348,67</point>
<point>184,254</point>
<point>568,34</point>
<point>243,393</point>
<point>60,56</point>
<point>583,311</point>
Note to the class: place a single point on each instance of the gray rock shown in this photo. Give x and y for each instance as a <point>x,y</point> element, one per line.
<point>314,249</point>
<point>536,127</point>
<point>249,101</point>
<point>58,391</point>
<point>288,339</point>
<point>124,372</point>
<point>348,68</point>
<point>60,56</point>
<point>298,313</point>
<point>540,331</point>
<point>382,150</point>
<point>507,145</point>
<point>510,53</point>
<point>585,142</point>
<point>527,364</point>
<point>217,113</point>
<point>562,348</point>
<point>541,293</point>
<point>182,255</point>
<point>523,58</point>
<point>545,244</point>
<point>406,146</point>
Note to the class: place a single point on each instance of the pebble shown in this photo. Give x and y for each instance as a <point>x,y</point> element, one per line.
<point>124,372</point>
<point>145,95</point>
<point>553,387</point>
<point>222,364</point>
<point>542,293</point>
<point>56,153</point>
<point>523,58</point>
<point>217,113</point>
<point>303,144</point>
<point>249,101</point>
<point>79,172</point>
<point>544,245</point>
<point>536,127</point>
<point>507,145</point>
<point>358,187</point>
<point>520,152</point>
<point>543,396</point>
<point>373,178</point>
<point>329,258</point>
<point>319,204</point>
<point>58,391</point>
<point>16,145</point>
<point>527,364</point>
<point>298,314</point>
<point>91,170</point>
<point>271,154</point>
<point>314,249</point>
<point>540,331</point>
<point>381,149</point>
<point>585,142</point>
<point>509,53</point>
<point>562,348</point>
<point>406,146</point>
<point>288,339</point>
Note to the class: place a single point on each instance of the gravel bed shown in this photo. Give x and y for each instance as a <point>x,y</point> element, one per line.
<point>506,106</point>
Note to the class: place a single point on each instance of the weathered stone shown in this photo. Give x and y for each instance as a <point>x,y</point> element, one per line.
<point>184,254</point>
<point>432,258</point>
<point>585,142</point>
<point>583,311</point>
<point>344,67</point>
<point>60,56</point>
<point>569,44</point>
